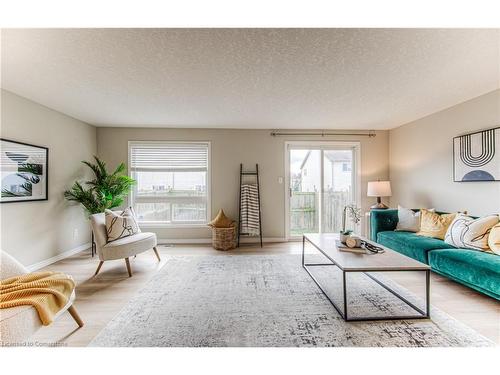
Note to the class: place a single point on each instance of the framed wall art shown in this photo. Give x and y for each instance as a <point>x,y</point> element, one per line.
<point>24,171</point>
<point>476,156</point>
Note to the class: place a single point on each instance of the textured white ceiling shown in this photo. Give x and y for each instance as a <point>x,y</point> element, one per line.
<point>250,78</point>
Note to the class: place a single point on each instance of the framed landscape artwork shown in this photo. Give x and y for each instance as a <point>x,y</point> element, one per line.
<point>24,172</point>
<point>477,156</point>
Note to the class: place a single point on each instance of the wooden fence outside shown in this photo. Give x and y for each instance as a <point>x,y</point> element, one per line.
<point>304,211</point>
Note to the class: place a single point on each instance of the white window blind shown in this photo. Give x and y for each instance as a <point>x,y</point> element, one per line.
<point>169,156</point>
<point>172,182</point>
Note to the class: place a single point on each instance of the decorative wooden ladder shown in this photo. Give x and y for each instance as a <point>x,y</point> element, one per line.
<point>256,174</point>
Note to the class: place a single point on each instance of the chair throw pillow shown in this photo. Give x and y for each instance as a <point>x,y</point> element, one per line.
<point>494,239</point>
<point>120,225</point>
<point>408,220</point>
<point>434,225</point>
<point>470,233</point>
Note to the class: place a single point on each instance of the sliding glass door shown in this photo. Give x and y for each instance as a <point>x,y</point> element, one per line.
<point>322,181</point>
<point>304,191</point>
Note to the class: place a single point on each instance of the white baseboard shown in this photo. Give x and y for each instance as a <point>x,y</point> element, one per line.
<point>194,241</point>
<point>66,254</point>
<point>264,239</point>
<point>208,241</point>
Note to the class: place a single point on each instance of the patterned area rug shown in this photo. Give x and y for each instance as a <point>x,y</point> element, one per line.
<point>269,301</point>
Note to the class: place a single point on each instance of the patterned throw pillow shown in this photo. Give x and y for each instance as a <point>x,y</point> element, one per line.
<point>434,225</point>
<point>119,225</point>
<point>470,233</point>
<point>494,239</point>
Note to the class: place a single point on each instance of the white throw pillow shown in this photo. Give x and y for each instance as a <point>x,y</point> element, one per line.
<point>464,231</point>
<point>408,220</point>
<point>119,225</point>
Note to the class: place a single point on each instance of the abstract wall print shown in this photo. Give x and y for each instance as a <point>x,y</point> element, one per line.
<point>24,172</point>
<point>477,156</point>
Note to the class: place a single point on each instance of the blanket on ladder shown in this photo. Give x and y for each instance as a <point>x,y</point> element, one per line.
<point>250,223</point>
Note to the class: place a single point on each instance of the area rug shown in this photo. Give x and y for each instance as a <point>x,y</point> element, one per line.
<point>270,301</point>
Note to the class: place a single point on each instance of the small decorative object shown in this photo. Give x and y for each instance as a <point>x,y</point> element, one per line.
<point>223,232</point>
<point>356,250</point>
<point>24,171</point>
<point>359,246</point>
<point>221,221</point>
<point>476,156</point>
<point>379,189</point>
<point>355,216</point>
<point>353,241</point>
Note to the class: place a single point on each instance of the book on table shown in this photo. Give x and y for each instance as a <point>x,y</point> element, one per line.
<point>343,247</point>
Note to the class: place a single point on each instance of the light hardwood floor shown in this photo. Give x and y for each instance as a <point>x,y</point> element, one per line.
<point>100,298</point>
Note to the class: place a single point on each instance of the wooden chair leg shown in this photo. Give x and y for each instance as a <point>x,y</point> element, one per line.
<point>156,252</point>
<point>75,315</point>
<point>98,267</point>
<point>127,262</point>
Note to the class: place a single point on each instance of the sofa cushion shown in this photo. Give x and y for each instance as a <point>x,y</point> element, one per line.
<point>409,220</point>
<point>494,239</point>
<point>470,233</point>
<point>410,244</point>
<point>477,269</point>
<point>433,224</point>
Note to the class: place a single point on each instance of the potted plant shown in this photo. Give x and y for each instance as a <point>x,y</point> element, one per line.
<point>354,214</point>
<point>105,191</point>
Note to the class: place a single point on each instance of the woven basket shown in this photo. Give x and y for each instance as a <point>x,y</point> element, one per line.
<point>224,238</point>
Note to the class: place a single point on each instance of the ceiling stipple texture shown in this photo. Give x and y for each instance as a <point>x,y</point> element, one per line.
<point>250,78</point>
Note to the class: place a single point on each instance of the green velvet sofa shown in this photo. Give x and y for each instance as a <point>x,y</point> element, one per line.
<point>476,269</point>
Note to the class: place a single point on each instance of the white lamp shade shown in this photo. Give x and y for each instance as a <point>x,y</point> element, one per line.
<point>379,189</point>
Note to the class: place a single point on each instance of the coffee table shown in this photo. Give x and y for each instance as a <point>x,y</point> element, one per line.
<point>347,262</point>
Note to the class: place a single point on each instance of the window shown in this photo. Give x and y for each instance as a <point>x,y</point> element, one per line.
<point>172,182</point>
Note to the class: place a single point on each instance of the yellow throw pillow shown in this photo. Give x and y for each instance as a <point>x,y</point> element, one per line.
<point>494,239</point>
<point>434,225</point>
<point>221,221</point>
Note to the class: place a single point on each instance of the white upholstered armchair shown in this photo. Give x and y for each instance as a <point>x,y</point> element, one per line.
<point>18,323</point>
<point>122,248</point>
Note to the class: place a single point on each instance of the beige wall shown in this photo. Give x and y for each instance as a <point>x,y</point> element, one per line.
<point>421,159</point>
<point>36,231</point>
<point>230,148</point>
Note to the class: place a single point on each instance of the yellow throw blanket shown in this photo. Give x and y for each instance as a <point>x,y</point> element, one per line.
<point>47,292</point>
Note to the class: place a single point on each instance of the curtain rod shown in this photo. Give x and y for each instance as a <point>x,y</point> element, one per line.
<point>370,134</point>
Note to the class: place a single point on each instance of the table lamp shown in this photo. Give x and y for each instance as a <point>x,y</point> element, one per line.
<point>379,189</point>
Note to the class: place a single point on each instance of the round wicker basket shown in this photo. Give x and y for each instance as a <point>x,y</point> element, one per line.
<point>224,238</point>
